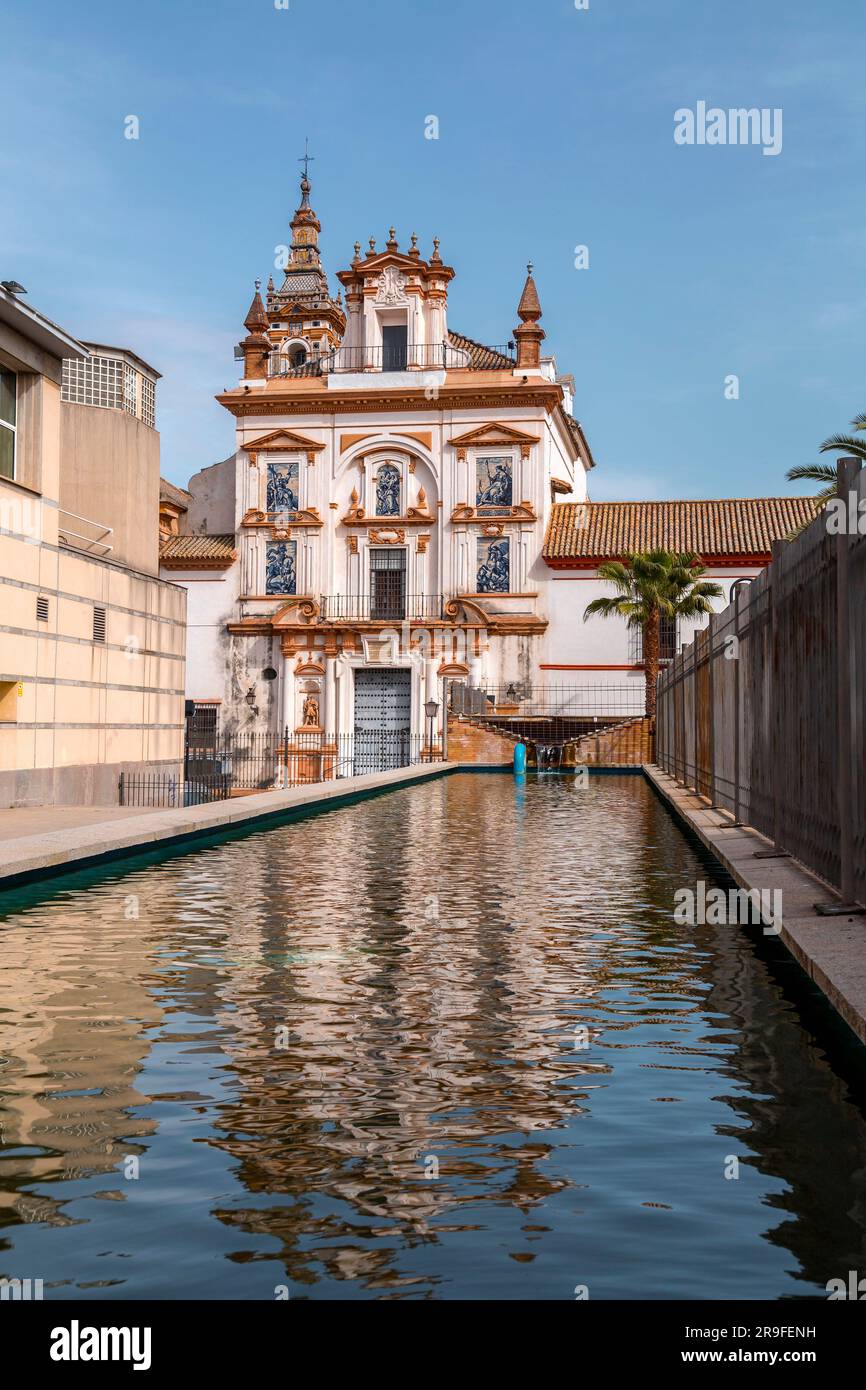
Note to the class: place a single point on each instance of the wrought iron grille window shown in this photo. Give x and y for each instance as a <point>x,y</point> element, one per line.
<point>667,641</point>
<point>387,585</point>
<point>202,724</point>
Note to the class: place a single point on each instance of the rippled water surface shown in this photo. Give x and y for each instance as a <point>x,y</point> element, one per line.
<point>345,1057</point>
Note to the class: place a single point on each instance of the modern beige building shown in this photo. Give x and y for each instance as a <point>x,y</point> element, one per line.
<point>92,641</point>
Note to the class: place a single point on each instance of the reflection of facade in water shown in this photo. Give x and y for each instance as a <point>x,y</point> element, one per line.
<point>430,956</point>
<point>76,1005</point>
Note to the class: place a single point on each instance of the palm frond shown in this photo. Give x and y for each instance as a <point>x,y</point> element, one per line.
<point>857,447</point>
<point>813,472</point>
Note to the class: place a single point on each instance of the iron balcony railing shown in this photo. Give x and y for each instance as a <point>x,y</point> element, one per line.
<point>399,358</point>
<point>383,608</point>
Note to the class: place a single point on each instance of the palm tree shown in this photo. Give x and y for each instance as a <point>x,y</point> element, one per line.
<point>650,586</point>
<point>825,473</point>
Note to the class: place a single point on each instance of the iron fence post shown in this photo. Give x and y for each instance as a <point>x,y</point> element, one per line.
<point>711,701</point>
<point>737,706</point>
<point>775,685</point>
<point>695,712</point>
<point>846,473</point>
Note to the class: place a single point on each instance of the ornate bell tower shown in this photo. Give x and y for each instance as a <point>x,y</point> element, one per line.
<point>304,322</point>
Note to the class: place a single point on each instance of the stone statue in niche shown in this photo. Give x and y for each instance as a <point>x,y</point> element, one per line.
<point>311,712</point>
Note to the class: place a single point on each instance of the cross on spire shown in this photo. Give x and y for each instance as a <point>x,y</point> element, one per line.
<point>306,157</point>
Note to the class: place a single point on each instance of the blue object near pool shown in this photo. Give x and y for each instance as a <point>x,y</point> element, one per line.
<point>520,757</point>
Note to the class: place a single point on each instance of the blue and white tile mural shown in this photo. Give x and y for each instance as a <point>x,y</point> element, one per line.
<point>283,487</point>
<point>493,482</point>
<point>280,573</point>
<point>493,565</point>
<point>388,491</point>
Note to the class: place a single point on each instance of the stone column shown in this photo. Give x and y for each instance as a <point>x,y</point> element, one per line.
<point>288,706</point>
<point>329,715</point>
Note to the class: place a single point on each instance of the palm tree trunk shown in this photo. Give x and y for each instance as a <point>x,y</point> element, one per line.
<point>651,661</point>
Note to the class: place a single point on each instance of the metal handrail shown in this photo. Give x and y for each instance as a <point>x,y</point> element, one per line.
<point>64,532</point>
<point>366,608</point>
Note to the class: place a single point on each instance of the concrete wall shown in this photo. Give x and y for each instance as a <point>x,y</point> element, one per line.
<point>213,509</point>
<point>75,712</point>
<point>109,472</point>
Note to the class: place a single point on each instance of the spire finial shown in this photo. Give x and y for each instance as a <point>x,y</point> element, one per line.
<point>306,158</point>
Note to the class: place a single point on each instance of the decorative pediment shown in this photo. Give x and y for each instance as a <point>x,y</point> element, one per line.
<point>282,521</point>
<point>283,442</point>
<point>309,667</point>
<point>419,515</point>
<point>491,436</point>
<point>493,516</point>
<point>302,609</point>
<point>389,535</point>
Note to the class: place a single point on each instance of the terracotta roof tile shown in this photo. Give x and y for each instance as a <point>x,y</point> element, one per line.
<point>481,358</point>
<point>190,552</point>
<point>731,526</point>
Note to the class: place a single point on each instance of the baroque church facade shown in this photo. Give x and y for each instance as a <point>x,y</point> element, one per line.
<point>380,526</point>
<point>407,506</point>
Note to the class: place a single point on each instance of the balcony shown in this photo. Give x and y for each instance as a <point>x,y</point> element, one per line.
<point>398,358</point>
<point>382,608</point>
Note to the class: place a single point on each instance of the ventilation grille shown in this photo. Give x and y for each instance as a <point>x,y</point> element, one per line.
<point>99,624</point>
<point>41,609</point>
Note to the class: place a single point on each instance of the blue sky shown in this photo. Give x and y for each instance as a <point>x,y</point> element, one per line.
<point>556,130</point>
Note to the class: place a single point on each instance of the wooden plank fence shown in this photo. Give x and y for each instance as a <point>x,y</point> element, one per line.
<point>764,714</point>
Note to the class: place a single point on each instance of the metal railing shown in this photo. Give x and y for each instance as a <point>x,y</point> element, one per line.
<point>171,789</point>
<point>261,762</point>
<point>763,714</point>
<point>393,608</point>
<point>385,358</point>
<point>81,540</point>
<point>544,701</point>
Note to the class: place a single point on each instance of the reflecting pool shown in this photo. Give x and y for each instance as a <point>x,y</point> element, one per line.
<point>443,1043</point>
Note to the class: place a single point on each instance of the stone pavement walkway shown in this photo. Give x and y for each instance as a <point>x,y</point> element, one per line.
<point>16,821</point>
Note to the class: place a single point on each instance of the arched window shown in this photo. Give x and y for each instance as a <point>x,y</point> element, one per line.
<point>298,356</point>
<point>388,490</point>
